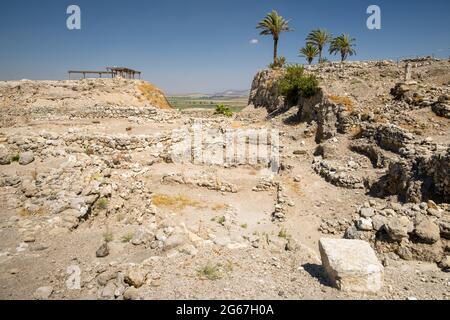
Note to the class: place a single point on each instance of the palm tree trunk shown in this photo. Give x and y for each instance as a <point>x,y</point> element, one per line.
<point>320,55</point>
<point>275,49</point>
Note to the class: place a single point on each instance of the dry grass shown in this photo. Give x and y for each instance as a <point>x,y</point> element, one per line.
<point>26,213</point>
<point>178,202</point>
<point>343,101</point>
<point>153,95</point>
<point>219,207</point>
<point>210,272</point>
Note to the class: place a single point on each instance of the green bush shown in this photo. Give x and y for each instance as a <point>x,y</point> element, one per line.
<point>296,84</point>
<point>221,109</point>
<point>278,63</point>
<point>15,158</point>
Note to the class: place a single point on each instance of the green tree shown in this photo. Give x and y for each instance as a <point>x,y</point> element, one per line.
<point>343,45</point>
<point>319,38</point>
<point>309,52</point>
<point>274,24</point>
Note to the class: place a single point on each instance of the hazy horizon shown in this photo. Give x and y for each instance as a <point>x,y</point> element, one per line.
<point>186,47</point>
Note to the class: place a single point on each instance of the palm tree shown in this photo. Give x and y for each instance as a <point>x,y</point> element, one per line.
<point>274,24</point>
<point>343,45</point>
<point>319,38</point>
<point>309,52</point>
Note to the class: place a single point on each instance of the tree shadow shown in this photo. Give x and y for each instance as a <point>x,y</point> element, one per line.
<point>317,271</point>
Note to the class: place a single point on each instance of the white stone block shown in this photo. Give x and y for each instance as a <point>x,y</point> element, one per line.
<point>351,265</point>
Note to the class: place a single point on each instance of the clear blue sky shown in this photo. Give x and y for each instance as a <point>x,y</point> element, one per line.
<point>201,45</point>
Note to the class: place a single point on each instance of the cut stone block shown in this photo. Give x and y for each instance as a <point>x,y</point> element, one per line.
<point>351,265</point>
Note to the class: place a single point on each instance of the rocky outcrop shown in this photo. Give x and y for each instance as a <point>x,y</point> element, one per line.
<point>264,92</point>
<point>331,117</point>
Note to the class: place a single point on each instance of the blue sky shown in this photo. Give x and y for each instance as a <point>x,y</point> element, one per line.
<point>201,45</point>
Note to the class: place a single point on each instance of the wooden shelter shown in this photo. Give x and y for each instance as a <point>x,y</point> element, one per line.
<point>112,72</point>
<point>124,72</point>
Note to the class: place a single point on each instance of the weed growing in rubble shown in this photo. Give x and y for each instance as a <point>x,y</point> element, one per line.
<point>108,236</point>
<point>209,272</point>
<point>102,203</point>
<point>283,234</point>
<point>221,220</point>
<point>15,158</point>
<point>127,237</point>
<point>221,109</point>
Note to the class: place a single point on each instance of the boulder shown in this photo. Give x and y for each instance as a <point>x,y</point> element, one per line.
<point>351,265</point>
<point>397,228</point>
<point>174,241</point>
<point>26,158</point>
<point>427,231</point>
<point>378,222</point>
<point>5,157</point>
<point>444,227</point>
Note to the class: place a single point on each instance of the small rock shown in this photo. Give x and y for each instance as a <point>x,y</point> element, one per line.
<point>103,251</point>
<point>29,238</point>
<point>26,158</point>
<point>14,271</point>
<point>445,263</point>
<point>364,224</point>
<point>109,290</point>
<point>431,204</point>
<point>367,212</point>
<point>131,294</point>
<point>43,293</point>
<point>136,277</point>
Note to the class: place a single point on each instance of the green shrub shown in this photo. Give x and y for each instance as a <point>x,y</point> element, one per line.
<point>15,158</point>
<point>103,203</point>
<point>221,109</point>
<point>296,84</point>
<point>210,272</point>
<point>278,63</point>
<point>127,237</point>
